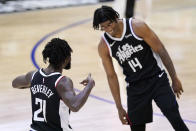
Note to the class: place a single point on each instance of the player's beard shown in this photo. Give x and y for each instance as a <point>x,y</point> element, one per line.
<point>68,66</point>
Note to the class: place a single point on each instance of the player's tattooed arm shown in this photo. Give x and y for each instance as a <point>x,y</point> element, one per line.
<point>69,97</point>
<point>23,81</point>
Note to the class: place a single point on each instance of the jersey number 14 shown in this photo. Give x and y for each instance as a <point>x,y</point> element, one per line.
<point>41,110</point>
<point>134,63</point>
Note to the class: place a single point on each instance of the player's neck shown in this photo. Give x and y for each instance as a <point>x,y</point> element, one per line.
<point>119,29</point>
<point>50,70</point>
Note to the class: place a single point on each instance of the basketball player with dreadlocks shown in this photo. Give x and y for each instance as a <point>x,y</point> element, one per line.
<point>141,55</point>
<point>52,94</point>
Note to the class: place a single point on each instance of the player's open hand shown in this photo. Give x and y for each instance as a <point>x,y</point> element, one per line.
<point>177,87</point>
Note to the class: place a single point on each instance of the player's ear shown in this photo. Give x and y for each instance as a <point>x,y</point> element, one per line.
<point>67,63</point>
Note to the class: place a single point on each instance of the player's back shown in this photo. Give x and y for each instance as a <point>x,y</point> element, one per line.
<point>46,103</point>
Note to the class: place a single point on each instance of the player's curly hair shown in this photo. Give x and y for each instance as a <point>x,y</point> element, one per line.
<point>103,14</point>
<point>56,51</point>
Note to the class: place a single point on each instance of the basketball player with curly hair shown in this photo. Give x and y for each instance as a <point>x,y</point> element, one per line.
<point>52,94</point>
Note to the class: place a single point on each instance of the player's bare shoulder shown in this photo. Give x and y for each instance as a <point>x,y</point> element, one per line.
<point>102,48</point>
<point>30,75</point>
<point>101,44</point>
<point>139,27</point>
<point>66,83</point>
<point>137,22</point>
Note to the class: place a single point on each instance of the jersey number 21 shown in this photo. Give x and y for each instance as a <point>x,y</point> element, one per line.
<point>41,110</point>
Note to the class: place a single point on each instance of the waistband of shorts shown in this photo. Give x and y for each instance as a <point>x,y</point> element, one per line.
<point>145,78</point>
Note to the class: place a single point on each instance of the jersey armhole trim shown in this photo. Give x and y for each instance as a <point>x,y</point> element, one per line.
<point>58,80</point>
<point>130,24</point>
<point>106,42</point>
<point>33,75</point>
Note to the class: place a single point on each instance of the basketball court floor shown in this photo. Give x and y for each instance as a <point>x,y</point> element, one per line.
<point>23,36</point>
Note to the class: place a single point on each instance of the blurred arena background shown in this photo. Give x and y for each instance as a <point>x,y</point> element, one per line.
<point>7,6</point>
<point>27,25</point>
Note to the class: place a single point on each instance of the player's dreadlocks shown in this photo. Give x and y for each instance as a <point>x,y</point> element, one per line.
<point>56,51</point>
